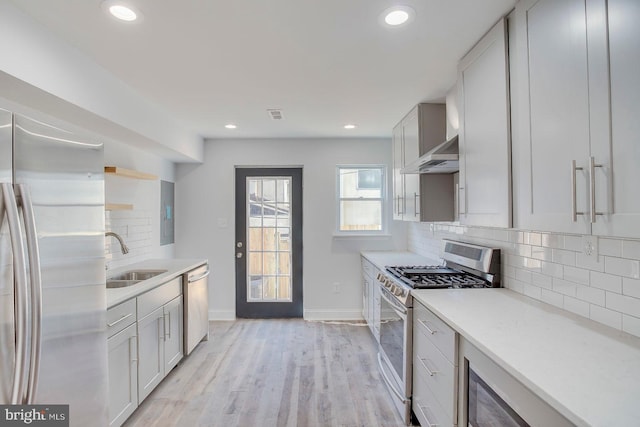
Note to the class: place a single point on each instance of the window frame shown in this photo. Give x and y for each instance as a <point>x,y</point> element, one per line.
<point>382,199</point>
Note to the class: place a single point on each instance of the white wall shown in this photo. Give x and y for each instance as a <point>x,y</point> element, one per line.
<point>140,227</point>
<point>205,218</point>
<point>550,267</point>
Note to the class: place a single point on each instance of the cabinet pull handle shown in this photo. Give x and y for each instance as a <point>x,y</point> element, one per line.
<point>426,326</point>
<point>167,322</point>
<point>424,414</point>
<point>161,330</point>
<point>592,177</point>
<point>133,351</point>
<point>574,196</point>
<point>416,196</point>
<point>423,362</point>
<point>460,190</point>
<point>119,320</point>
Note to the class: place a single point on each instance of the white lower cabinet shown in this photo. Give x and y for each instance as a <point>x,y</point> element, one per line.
<point>123,375</point>
<point>143,352</point>
<point>435,372</point>
<point>371,297</point>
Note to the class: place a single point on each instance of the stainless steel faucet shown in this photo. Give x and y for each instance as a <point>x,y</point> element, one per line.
<point>123,246</point>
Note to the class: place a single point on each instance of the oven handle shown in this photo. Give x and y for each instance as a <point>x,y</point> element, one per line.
<point>388,381</point>
<point>399,308</point>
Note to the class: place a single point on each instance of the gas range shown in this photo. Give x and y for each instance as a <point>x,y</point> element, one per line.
<point>464,266</point>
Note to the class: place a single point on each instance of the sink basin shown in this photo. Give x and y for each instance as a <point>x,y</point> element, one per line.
<point>131,277</point>
<point>137,275</point>
<point>120,283</point>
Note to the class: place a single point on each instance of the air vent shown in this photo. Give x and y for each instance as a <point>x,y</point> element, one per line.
<point>275,113</point>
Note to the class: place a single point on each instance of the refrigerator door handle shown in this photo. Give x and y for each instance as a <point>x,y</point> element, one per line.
<point>20,291</point>
<point>35,276</point>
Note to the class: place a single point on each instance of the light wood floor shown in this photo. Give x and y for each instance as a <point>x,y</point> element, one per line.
<point>263,373</point>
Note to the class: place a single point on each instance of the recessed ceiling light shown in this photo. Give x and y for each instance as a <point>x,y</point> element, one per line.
<point>230,126</point>
<point>397,16</point>
<point>121,10</point>
<point>349,126</point>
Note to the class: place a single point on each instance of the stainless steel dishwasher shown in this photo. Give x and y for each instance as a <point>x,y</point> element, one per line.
<point>196,307</point>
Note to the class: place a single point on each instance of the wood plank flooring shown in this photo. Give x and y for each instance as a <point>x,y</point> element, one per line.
<point>263,373</point>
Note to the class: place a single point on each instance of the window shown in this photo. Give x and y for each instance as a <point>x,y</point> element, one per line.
<point>361,193</point>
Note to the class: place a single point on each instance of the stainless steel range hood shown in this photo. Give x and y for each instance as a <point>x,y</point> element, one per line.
<point>441,159</point>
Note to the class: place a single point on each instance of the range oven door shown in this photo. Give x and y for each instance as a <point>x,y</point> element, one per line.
<point>394,358</point>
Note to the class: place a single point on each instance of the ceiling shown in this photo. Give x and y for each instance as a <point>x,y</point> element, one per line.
<point>324,63</point>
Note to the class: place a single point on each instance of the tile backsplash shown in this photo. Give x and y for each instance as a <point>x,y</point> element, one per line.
<point>554,269</point>
<point>135,228</point>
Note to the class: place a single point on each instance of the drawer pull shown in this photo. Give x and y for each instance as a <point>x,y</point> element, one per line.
<point>426,326</point>
<point>423,362</point>
<point>423,409</point>
<point>133,349</point>
<point>119,320</point>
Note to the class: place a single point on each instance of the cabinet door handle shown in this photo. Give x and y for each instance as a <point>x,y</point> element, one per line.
<point>426,326</point>
<point>133,348</point>
<point>592,178</point>
<point>423,362</point>
<point>460,211</point>
<point>119,320</point>
<point>167,322</point>
<point>574,191</point>
<point>416,196</point>
<point>161,331</point>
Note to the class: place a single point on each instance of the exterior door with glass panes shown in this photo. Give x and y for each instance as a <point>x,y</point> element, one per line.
<point>268,247</point>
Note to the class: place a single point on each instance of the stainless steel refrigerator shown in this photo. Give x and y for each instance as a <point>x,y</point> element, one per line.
<point>53,344</point>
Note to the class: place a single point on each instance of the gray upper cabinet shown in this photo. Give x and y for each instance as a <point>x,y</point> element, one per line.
<point>420,197</point>
<point>484,190</point>
<point>575,88</point>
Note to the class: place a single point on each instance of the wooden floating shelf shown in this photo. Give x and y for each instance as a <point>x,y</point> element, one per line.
<point>118,207</point>
<point>128,173</point>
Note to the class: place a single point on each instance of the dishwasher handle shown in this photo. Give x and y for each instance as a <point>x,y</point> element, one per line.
<point>192,279</point>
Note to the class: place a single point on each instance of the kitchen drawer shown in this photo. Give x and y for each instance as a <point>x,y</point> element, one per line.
<point>426,407</point>
<point>440,375</point>
<point>121,316</point>
<point>435,330</point>
<point>159,296</point>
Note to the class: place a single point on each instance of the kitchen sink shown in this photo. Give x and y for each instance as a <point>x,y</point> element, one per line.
<point>120,283</point>
<point>131,277</point>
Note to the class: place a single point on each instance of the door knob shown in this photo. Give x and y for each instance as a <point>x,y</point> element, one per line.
<point>239,255</point>
<point>239,244</point>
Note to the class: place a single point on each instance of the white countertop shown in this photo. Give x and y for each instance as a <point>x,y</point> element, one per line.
<point>586,371</point>
<point>383,259</point>
<point>174,267</point>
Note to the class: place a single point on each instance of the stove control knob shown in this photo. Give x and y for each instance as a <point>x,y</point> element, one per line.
<point>399,292</point>
<point>403,293</point>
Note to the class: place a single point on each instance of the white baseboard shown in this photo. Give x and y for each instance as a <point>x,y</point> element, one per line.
<point>333,315</point>
<point>222,315</point>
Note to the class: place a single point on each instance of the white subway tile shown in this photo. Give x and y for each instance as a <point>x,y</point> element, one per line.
<point>538,252</point>
<point>631,325</point>
<point>624,304</point>
<point>622,267</point>
<point>631,287</point>
<point>523,250</point>
<point>607,282</point>
<point>515,285</point>
<point>533,264</point>
<point>508,271</point>
<point>523,275</point>
<point>590,262</point>
<point>532,291</point>
<point>551,269</point>
<point>564,257</point>
<point>500,235</point>
<point>573,243</point>
<point>564,287</point>
<point>606,316</point>
<point>577,275</point>
<point>549,240</point>
<point>531,238</point>
<point>592,295</point>
<point>610,247</point>
<point>516,236</point>
<point>541,280</point>
<point>631,249</point>
<point>552,298</point>
<point>576,306</point>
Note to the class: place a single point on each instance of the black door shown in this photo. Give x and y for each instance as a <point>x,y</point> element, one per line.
<point>268,242</point>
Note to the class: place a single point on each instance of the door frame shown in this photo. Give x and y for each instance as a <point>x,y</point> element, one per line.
<point>275,309</point>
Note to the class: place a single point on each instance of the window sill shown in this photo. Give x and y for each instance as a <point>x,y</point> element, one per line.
<point>372,236</point>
